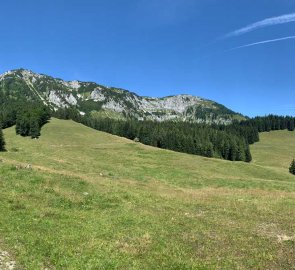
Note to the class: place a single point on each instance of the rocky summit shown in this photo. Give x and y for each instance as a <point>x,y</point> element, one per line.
<point>102,101</point>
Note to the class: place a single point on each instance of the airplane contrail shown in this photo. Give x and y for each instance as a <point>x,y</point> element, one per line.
<point>287,18</point>
<point>262,42</point>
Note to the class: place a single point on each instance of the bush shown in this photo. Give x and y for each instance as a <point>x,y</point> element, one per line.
<point>292,167</point>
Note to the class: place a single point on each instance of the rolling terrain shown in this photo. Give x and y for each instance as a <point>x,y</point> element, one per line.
<point>96,201</point>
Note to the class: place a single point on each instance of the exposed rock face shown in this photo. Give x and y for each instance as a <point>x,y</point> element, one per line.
<point>114,106</point>
<point>71,99</point>
<point>97,95</point>
<point>61,100</point>
<point>176,103</point>
<point>72,84</point>
<point>56,100</point>
<point>89,96</point>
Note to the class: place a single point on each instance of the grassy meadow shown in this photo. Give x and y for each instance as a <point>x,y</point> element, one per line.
<point>97,201</point>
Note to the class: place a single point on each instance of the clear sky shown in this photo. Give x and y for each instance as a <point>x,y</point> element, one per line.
<point>160,47</point>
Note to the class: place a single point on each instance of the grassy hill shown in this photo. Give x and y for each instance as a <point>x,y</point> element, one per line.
<point>97,201</point>
<point>275,150</point>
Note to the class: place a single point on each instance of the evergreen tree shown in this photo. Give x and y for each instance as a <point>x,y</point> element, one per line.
<point>291,125</point>
<point>233,154</point>
<point>292,167</point>
<point>2,141</point>
<point>30,119</point>
<point>248,157</point>
<point>34,128</point>
<point>241,151</point>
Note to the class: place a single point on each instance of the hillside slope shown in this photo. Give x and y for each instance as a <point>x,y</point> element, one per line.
<point>102,101</point>
<point>276,149</point>
<point>97,201</point>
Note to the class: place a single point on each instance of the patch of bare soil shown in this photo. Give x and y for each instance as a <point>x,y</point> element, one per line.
<point>6,262</point>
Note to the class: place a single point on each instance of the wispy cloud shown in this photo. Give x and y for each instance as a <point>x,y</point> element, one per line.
<point>287,18</point>
<point>263,42</point>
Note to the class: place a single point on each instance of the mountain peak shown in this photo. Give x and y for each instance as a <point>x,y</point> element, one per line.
<point>102,101</point>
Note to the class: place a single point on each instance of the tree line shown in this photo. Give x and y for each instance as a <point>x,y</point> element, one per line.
<point>271,122</point>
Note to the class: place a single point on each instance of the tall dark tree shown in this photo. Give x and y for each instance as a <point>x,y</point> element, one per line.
<point>291,125</point>
<point>34,128</point>
<point>2,141</point>
<point>292,167</point>
<point>248,154</point>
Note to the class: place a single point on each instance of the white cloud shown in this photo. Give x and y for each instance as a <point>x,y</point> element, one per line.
<point>261,24</point>
<point>263,42</point>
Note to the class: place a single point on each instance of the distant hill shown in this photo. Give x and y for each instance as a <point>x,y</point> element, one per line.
<point>102,101</point>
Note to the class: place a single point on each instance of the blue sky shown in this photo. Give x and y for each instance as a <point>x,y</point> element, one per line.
<point>159,47</point>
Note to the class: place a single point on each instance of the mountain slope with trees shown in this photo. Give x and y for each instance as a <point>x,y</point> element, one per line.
<point>92,98</point>
<point>28,100</point>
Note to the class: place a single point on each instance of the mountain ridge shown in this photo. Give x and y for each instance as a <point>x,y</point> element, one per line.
<point>99,100</point>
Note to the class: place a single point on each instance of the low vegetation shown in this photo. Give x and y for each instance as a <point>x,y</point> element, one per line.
<point>91,200</point>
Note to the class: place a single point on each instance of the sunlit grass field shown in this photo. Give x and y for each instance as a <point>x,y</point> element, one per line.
<point>97,201</point>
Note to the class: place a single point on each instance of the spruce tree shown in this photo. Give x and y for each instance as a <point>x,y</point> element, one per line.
<point>241,156</point>
<point>248,154</point>
<point>291,125</point>
<point>233,154</point>
<point>34,129</point>
<point>292,167</point>
<point>2,141</point>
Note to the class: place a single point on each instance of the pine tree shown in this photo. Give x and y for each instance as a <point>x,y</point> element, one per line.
<point>34,129</point>
<point>291,126</point>
<point>233,154</point>
<point>241,151</point>
<point>292,167</point>
<point>248,154</point>
<point>2,141</point>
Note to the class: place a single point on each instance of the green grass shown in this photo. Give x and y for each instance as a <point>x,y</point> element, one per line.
<point>105,113</point>
<point>97,201</point>
<point>275,150</point>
